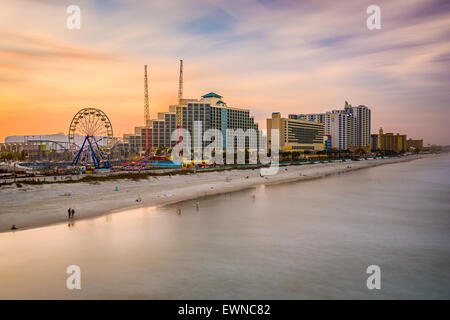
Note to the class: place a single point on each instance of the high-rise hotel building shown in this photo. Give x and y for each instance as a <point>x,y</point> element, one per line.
<point>340,125</point>
<point>214,113</point>
<point>295,134</point>
<point>361,114</point>
<point>349,128</point>
<point>210,110</point>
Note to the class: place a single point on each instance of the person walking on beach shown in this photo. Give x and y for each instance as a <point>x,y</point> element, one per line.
<point>197,204</point>
<point>72,211</point>
<point>69,212</point>
<point>179,211</point>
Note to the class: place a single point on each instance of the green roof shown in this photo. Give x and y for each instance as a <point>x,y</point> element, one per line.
<point>211,95</point>
<point>220,102</point>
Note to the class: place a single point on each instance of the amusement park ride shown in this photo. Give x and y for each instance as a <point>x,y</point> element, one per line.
<point>150,158</point>
<point>95,128</point>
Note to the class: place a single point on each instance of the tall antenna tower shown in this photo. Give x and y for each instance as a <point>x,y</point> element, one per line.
<point>146,103</point>
<point>180,97</point>
<point>147,121</point>
<point>179,113</point>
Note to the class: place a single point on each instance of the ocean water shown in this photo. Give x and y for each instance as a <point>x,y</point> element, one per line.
<point>307,240</point>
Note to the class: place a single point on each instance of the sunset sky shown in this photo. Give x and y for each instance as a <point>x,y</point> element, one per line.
<point>266,55</point>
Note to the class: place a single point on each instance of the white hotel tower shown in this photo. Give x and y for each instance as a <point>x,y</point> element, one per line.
<point>340,125</point>
<point>348,127</point>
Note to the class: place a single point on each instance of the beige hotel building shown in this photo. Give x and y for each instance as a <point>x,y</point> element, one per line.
<point>296,134</point>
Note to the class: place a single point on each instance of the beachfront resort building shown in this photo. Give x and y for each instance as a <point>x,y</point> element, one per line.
<point>414,145</point>
<point>340,125</point>
<point>296,134</point>
<point>213,113</point>
<point>389,142</point>
<point>362,121</point>
<point>395,142</point>
<point>349,128</point>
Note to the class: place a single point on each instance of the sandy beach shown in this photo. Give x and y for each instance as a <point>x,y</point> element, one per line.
<point>33,206</point>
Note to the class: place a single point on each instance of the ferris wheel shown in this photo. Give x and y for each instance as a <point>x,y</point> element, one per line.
<point>91,137</point>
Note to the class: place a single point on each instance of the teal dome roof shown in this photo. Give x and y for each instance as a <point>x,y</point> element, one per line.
<point>211,95</point>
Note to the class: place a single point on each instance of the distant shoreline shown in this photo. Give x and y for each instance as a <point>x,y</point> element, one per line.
<point>33,206</point>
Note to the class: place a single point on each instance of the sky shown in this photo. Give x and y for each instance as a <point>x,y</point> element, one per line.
<point>268,56</point>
